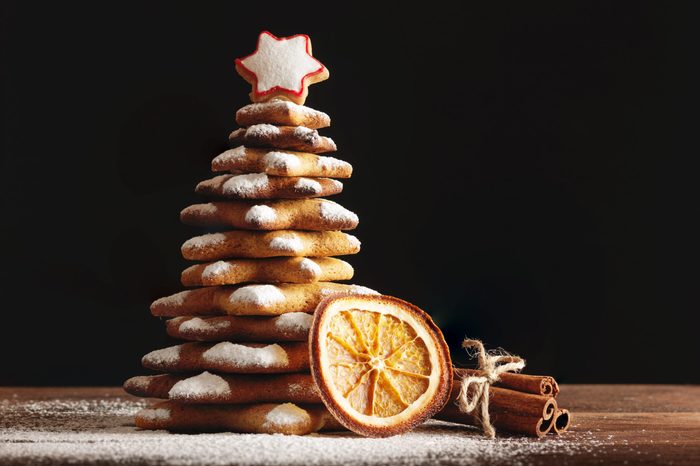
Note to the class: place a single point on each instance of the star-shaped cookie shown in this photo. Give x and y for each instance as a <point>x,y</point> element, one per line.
<point>281,67</point>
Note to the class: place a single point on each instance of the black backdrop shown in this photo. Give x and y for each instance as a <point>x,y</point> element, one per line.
<point>518,172</point>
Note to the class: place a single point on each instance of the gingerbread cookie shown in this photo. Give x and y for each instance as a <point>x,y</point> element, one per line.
<point>252,300</point>
<point>297,214</point>
<point>260,244</point>
<point>234,358</point>
<point>282,113</point>
<point>226,389</point>
<point>152,386</point>
<point>292,326</point>
<point>283,269</point>
<point>281,163</point>
<point>281,67</point>
<point>262,186</point>
<point>264,418</point>
<point>299,138</point>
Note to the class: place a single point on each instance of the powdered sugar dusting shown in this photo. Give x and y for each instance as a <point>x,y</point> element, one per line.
<point>207,209</point>
<point>177,299</point>
<point>164,356</point>
<point>230,156</point>
<point>259,295</point>
<point>157,414</point>
<point>286,243</point>
<point>286,415</point>
<point>281,105</point>
<point>260,215</point>
<point>336,213</point>
<point>306,134</point>
<point>307,185</point>
<point>204,384</point>
<point>262,131</point>
<point>294,321</point>
<point>245,185</point>
<point>203,241</point>
<point>310,266</point>
<point>331,163</point>
<point>199,325</point>
<point>295,389</point>
<point>101,431</point>
<point>217,269</point>
<point>359,289</point>
<point>141,382</point>
<point>275,104</point>
<point>246,356</point>
<point>354,242</point>
<point>276,160</point>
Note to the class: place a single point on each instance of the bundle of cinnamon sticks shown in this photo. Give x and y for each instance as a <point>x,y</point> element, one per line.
<point>519,403</point>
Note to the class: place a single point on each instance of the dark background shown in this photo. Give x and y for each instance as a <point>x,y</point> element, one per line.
<point>520,172</point>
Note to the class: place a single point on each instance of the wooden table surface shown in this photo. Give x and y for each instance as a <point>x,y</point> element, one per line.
<point>613,424</point>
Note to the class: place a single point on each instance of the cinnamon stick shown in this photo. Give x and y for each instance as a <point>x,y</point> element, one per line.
<point>562,421</point>
<point>519,403</point>
<point>535,384</point>
<point>528,425</point>
<point>510,410</point>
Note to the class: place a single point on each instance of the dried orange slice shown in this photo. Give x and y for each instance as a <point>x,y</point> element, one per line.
<point>381,365</point>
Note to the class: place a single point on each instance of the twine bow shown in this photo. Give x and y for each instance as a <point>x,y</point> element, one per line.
<point>492,365</point>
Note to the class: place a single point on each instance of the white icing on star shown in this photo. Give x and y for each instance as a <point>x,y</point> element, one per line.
<point>281,63</point>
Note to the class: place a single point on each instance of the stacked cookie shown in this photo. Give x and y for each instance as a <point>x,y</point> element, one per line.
<point>245,364</point>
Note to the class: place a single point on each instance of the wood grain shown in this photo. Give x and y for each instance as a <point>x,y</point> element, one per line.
<point>612,424</point>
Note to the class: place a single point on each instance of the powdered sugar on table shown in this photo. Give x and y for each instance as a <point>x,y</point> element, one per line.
<point>70,428</point>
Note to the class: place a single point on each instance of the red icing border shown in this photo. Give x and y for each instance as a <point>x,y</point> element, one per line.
<point>239,62</point>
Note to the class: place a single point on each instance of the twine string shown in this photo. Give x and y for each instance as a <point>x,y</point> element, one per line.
<point>492,365</point>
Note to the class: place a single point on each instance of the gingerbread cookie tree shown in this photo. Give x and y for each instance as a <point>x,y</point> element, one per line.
<point>245,364</point>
